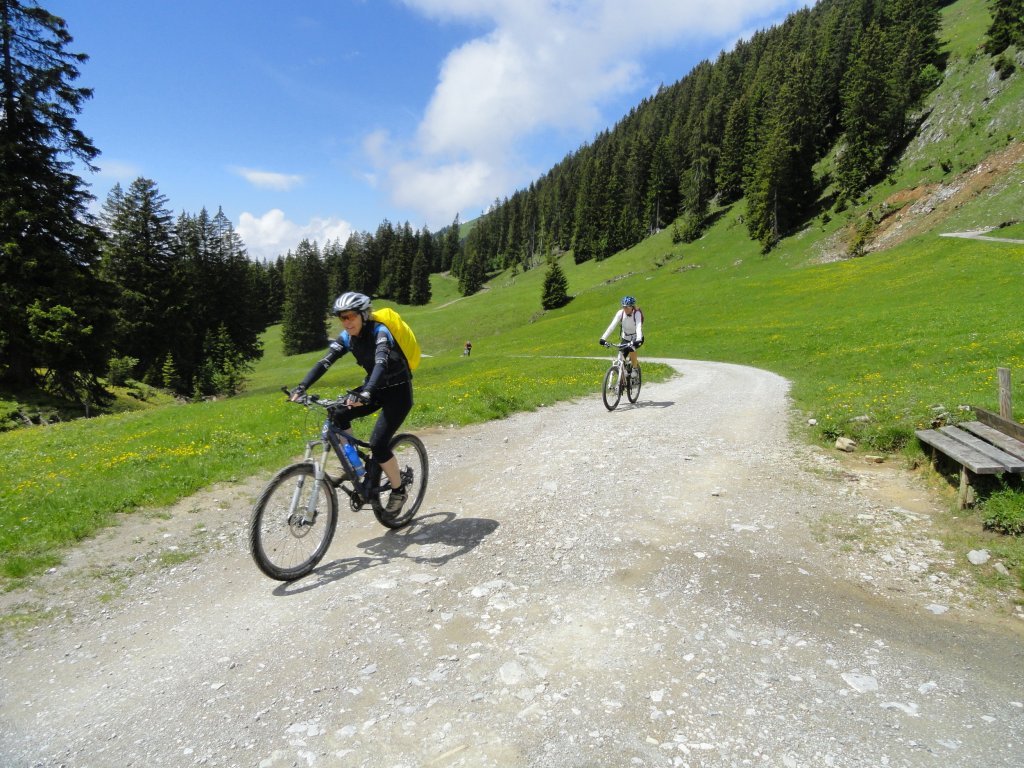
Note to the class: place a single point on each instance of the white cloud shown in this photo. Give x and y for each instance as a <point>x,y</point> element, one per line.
<point>272,234</point>
<point>281,182</point>
<point>438,191</point>
<point>543,65</point>
<point>119,171</point>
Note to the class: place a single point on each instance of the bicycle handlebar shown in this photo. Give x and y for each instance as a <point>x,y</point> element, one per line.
<point>309,400</point>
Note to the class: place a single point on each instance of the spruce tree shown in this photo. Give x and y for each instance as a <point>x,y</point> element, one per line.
<point>782,183</point>
<point>336,264</point>
<point>236,303</point>
<point>419,286</point>
<point>1007,26</point>
<point>449,247</point>
<point>215,285</point>
<point>588,216</point>
<point>870,114</point>
<point>52,305</point>
<point>473,273</point>
<point>356,255</point>
<point>305,301</point>
<point>406,246</point>
<point>556,287</point>
<point>137,261</point>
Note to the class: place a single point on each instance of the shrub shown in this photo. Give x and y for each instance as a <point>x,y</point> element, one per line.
<point>1004,67</point>
<point>121,369</point>
<point>1004,512</point>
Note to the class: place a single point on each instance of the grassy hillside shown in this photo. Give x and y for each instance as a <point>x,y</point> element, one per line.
<point>875,346</point>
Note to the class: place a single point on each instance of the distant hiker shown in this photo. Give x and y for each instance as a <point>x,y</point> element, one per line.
<point>387,386</point>
<point>467,349</point>
<point>631,322</point>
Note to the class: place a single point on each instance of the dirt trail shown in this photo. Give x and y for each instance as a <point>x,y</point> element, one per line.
<point>672,584</point>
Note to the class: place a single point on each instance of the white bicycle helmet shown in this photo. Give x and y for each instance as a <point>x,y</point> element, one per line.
<point>352,302</point>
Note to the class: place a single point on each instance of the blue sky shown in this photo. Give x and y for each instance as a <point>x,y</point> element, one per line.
<point>317,118</point>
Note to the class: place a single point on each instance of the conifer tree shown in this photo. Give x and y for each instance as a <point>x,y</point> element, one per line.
<point>52,305</point>
<point>405,254</point>
<point>138,261</point>
<point>1007,26</point>
<point>870,113</point>
<point>305,301</point>
<point>357,254</point>
<point>236,305</point>
<point>215,285</point>
<point>449,247</point>
<point>336,265</point>
<point>556,287</point>
<point>473,272</point>
<point>659,205</point>
<point>783,180</point>
<point>419,287</point>
<point>275,291</point>
<point>733,159</point>
<point>588,217</point>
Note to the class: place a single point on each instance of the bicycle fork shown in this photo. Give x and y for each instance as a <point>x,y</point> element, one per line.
<point>309,513</point>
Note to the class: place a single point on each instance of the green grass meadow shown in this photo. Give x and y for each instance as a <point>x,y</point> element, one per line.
<point>874,346</point>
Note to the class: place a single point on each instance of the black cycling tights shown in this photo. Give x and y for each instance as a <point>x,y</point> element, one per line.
<point>394,404</point>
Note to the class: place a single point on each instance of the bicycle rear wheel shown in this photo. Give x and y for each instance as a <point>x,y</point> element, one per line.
<point>412,463</point>
<point>611,392</point>
<point>633,385</point>
<point>285,539</point>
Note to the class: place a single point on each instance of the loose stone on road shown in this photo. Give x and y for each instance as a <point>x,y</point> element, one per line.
<point>676,583</point>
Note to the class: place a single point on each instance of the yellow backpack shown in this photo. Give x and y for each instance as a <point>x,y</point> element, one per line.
<point>402,333</point>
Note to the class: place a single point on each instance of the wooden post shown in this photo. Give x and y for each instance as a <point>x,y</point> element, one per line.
<point>1005,396</point>
<point>966,496</point>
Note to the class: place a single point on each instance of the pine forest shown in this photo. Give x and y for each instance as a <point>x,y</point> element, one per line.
<point>797,120</point>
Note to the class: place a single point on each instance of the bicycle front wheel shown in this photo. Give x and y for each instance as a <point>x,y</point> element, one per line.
<point>293,523</point>
<point>415,470</point>
<point>633,385</point>
<point>611,392</point>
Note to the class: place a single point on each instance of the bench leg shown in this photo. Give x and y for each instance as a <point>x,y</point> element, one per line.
<point>966,497</point>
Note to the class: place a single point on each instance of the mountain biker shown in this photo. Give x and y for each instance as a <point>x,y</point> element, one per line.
<point>387,386</point>
<point>631,320</point>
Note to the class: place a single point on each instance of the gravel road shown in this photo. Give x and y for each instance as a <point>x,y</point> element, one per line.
<point>676,583</point>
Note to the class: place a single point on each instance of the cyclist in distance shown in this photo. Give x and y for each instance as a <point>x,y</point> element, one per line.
<point>387,386</point>
<point>631,321</point>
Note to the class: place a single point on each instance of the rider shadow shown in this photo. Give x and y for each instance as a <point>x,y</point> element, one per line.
<point>646,404</point>
<point>426,540</point>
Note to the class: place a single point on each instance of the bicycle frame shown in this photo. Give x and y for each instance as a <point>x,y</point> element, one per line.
<point>622,359</point>
<point>619,378</point>
<point>294,519</point>
<point>331,440</point>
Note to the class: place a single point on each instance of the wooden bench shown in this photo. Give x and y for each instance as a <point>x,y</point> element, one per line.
<point>991,445</point>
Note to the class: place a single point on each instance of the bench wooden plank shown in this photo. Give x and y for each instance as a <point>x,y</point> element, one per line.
<point>1002,441</point>
<point>1010,463</point>
<point>979,463</point>
<point>994,420</point>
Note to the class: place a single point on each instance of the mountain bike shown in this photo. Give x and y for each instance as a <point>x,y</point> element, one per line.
<point>294,519</point>
<point>620,376</point>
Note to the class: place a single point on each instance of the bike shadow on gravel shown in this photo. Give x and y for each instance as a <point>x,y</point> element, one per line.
<point>645,404</point>
<point>433,539</point>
